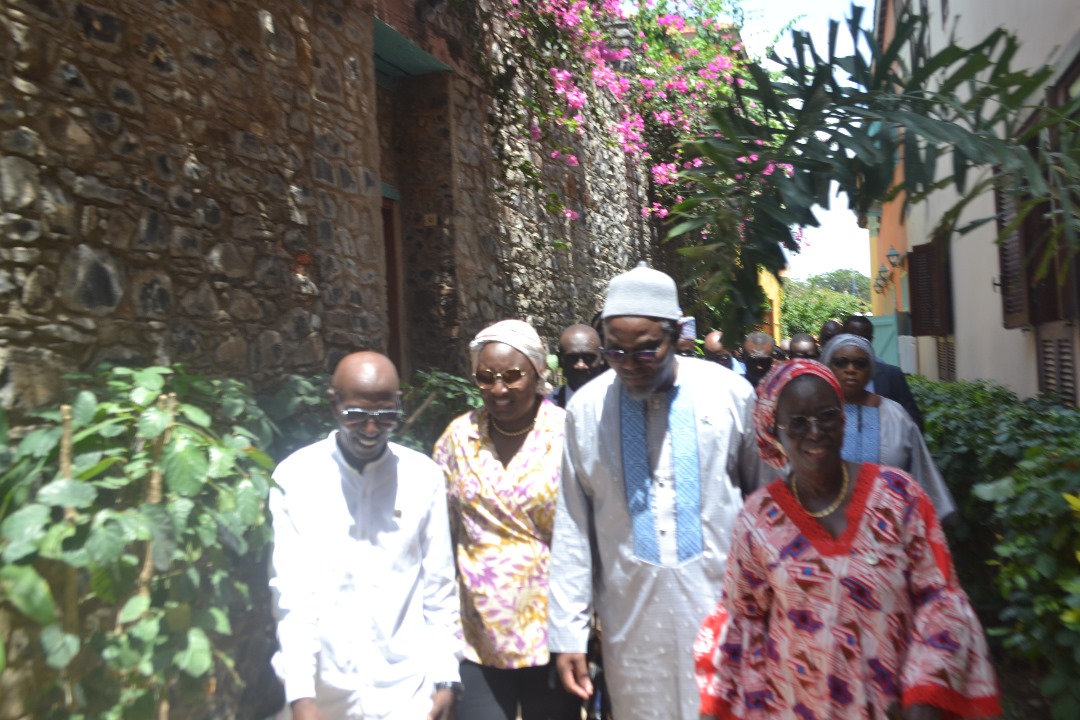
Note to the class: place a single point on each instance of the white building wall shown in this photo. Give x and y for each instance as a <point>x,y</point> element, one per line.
<point>1049,31</point>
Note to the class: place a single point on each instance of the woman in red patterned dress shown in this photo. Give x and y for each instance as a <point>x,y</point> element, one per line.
<point>840,599</point>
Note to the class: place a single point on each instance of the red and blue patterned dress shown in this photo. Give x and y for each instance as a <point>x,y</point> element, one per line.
<point>813,627</point>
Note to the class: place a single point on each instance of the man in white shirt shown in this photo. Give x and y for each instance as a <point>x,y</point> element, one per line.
<point>362,568</point>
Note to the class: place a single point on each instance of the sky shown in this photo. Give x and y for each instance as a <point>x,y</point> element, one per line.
<point>839,243</point>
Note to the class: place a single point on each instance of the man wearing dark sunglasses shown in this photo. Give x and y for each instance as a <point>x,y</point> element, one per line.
<point>758,356</point>
<point>657,456</point>
<point>579,359</point>
<point>362,550</point>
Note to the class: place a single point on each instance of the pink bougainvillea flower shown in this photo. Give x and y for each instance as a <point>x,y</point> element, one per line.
<point>664,173</point>
<point>572,160</point>
<point>570,214</point>
<point>534,132</point>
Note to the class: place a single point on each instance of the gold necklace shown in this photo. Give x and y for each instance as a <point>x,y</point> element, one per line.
<point>506,433</point>
<point>836,503</point>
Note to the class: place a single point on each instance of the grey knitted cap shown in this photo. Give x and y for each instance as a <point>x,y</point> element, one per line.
<point>643,292</point>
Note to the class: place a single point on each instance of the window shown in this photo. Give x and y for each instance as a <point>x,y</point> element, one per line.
<point>946,358</point>
<point>930,289</point>
<point>1057,363</point>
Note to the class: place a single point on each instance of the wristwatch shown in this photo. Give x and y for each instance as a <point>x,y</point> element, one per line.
<point>454,687</point>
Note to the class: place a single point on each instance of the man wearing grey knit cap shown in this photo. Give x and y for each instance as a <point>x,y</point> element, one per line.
<point>658,455</point>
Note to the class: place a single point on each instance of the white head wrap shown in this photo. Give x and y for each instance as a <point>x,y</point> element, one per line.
<point>848,340</point>
<point>519,335</point>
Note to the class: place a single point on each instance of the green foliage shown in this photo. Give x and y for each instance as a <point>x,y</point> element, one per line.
<point>123,567</point>
<point>776,149</point>
<point>300,412</point>
<point>851,282</point>
<point>805,306</point>
<point>1013,468</point>
<point>432,400</point>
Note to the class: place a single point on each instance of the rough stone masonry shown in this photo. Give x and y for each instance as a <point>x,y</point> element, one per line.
<point>230,185</point>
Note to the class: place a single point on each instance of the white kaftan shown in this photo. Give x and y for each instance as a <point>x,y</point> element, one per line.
<point>649,611</point>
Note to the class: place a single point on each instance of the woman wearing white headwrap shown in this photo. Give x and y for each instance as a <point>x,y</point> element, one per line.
<point>502,464</point>
<point>877,429</point>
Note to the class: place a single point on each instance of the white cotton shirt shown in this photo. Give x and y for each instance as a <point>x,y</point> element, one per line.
<point>363,581</point>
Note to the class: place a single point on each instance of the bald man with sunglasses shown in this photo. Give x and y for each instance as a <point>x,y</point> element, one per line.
<point>362,569</point>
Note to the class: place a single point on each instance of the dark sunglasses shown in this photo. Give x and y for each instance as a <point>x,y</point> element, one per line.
<point>360,416</point>
<point>572,359</point>
<point>842,363</point>
<point>646,357</point>
<point>799,426</point>
<point>488,378</point>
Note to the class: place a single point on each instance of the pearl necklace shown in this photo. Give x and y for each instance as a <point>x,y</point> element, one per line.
<point>507,433</point>
<point>836,503</point>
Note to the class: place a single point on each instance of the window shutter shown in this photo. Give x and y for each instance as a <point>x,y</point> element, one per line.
<point>929,288</point>
<point>1015,310</point>
<point>1057,368</point>
<point>946,358</point>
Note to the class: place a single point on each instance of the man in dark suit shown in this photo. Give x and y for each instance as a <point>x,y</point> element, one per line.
<point>889,380</point>
<point>580,360</point>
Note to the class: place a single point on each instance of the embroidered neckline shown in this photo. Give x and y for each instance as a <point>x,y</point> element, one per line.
<point>814,531</point>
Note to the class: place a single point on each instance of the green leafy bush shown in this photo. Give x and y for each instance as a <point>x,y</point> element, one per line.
<point>133,530</point>
<point>432,400</point>
<point>124,520</point>
<point>1013,466</point>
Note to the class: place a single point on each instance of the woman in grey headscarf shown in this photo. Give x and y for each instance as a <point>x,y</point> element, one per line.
<point>877,429</point>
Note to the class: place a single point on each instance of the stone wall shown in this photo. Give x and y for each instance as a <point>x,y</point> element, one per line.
<point>201,182</point>
<point>185,182</point>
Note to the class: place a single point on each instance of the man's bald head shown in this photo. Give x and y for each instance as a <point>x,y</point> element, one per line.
<point>579,338</point>
<point>365,398</point>
<point>367,370</point>
<point>715,350</point>
<point>579,355</point>
<point>713,344</point>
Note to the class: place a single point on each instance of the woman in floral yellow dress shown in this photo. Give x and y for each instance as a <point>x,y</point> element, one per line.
<point>502,464</point>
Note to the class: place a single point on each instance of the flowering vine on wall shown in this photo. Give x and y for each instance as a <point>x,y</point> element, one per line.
<point>640,74</point>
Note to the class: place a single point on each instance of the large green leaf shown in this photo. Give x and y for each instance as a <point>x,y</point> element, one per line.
<point>40,442</point>
<point>249,502</point>
<point>151,378</point>
<point>196,658</point>
<point>153,422</point>
<point>133,609</point>
<point>222,461</point>
<point>106,543</point>
<point>68,493</point>
<point>60,647</point>
<point>23,531</point>
<point>195,415</point>
<point>23,587</point>
<point>163,533</point>
<point>84,408</point>
<point>185,466</point>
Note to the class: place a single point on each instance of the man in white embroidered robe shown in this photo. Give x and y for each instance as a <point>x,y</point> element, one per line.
<point>659,452</point>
